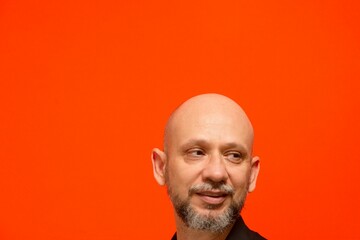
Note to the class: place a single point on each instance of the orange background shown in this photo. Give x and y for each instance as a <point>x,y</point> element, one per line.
<point>86,88</point>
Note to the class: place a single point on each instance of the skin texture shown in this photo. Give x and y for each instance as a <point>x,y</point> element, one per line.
<point>208,142</point>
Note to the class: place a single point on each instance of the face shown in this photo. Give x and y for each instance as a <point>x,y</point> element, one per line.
<point>209,169</point>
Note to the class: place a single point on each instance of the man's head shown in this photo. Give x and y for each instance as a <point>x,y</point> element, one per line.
<point>207,163</point>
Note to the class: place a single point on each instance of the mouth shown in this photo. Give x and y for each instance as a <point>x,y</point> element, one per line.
<point>212,197</point>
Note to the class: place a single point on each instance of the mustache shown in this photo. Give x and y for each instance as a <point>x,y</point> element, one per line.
<point>210,186</point>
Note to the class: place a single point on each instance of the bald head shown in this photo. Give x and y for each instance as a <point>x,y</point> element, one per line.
<point>207,165</point>
<point>209,115</point>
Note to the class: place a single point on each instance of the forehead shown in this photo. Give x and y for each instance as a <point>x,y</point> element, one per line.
<point>214,126</point>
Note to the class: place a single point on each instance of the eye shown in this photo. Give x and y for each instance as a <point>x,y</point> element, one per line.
<point>195,153</point>
<point>234,156</point>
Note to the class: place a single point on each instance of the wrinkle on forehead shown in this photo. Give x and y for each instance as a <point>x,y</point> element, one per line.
<point>208,105</point>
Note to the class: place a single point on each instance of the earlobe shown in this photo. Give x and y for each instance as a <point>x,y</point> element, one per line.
<point>255,168</point>
<point>158,159</point>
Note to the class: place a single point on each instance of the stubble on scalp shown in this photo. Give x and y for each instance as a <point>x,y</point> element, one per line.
<point>215,101</point>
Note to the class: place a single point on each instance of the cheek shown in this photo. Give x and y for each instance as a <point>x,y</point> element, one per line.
<point>181,177</point>
<point>239,178</point>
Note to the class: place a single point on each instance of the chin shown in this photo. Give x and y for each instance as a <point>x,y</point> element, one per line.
<point>210,209</point>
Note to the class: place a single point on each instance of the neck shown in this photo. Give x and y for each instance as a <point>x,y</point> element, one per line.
<point>183,232</point>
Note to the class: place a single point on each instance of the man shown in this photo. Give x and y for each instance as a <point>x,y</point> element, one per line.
<point>208,168</point>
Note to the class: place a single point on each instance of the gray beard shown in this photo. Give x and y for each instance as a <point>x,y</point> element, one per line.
<point>206,222</point>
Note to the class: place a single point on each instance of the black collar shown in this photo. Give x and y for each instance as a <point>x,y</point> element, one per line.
<point>239,231</point>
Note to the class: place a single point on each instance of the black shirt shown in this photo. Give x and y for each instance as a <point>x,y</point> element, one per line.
<point>239,232</point>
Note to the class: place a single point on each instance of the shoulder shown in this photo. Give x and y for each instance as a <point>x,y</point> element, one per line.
<point>241,231</point>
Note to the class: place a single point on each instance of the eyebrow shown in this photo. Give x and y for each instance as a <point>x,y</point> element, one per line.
<point>204,143</point>
<point>194,142</point>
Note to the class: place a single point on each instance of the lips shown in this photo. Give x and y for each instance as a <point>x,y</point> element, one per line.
<point>212,197</point>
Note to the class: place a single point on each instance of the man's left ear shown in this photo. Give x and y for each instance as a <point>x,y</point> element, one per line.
<point>255,168</point>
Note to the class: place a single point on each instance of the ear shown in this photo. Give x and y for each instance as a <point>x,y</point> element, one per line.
<point>158,159</point>
<point>255,168</point>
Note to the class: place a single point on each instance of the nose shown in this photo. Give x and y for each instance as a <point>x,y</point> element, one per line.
<point>215,170</point>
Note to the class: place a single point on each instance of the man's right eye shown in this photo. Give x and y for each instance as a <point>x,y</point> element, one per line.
<point>196,153</point>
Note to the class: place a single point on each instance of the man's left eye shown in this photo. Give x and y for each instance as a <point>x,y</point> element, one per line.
<point>234,156</point>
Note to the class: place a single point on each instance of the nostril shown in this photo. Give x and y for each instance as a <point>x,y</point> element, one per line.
<point>216,175</point>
